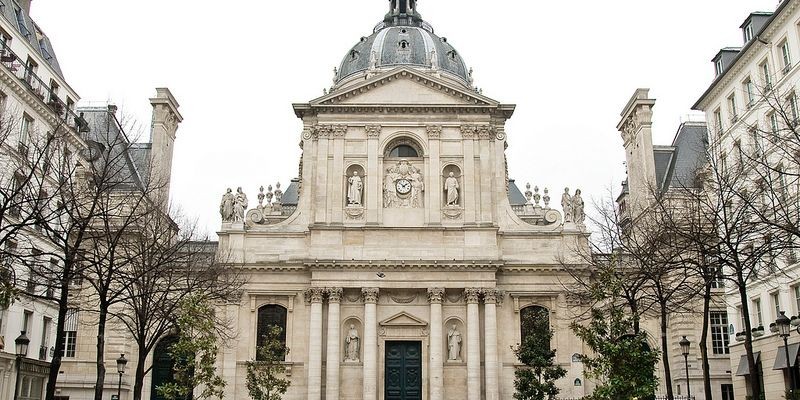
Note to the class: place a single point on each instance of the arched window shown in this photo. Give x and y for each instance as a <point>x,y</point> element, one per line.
<point>403,151</point>
<point>403,147</point>
<point>268,316</point>
<point>534,320</point>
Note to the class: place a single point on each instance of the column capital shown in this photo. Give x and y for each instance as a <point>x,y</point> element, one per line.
<point>314,295</point>
<point>472,295</point>
<point>493,296</point>
<point>334,295</point>
<point>435,295</point>
<point>370,295</point>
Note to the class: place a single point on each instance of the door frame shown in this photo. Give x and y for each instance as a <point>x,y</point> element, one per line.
<point>424,343</point>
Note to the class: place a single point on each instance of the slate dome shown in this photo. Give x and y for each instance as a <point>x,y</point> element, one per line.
<point>403,38</point>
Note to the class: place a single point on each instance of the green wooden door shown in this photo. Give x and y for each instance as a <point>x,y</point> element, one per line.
<point>403,372</point>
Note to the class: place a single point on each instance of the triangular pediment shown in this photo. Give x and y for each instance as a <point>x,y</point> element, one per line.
<point>403,319</point>
<point>405,86</point>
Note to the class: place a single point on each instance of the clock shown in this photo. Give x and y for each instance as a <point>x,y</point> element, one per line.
<point>403,186</point>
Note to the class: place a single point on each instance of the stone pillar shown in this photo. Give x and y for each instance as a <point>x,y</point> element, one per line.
<point>473,344</point>
<point>490,343</point>
<point>314,295</point>
<point>436,358</point>
<point>332,358</point>
<point>370,349</point>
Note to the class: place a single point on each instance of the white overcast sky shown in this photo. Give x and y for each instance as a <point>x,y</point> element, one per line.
<point>236,66</point>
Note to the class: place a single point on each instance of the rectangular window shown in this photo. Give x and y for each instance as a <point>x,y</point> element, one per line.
<point>26,126</point>
<point>27,319</point>
<point>786,57</point>
<point>773,123</point>
<point>797,299</point>
<point>727,391</point>
<point>53,98</point>
<point>732,111</point>
<point>30,72</point>
<point>719,332</point>
<point>43,350</point>
<point>33,272</point>
<point>70,333</point>
<point>717,279</point>
<point>791,101</point>
<point>754,135</point>
<point>718,66</point>
<point>749,91</point>
<point>766,77</point>
<point>718,120</point>
<point>739,155</point>
<point>757,311</point>
<point>776,302</point>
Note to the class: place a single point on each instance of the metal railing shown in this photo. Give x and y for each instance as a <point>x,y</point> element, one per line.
<point>42,90</point>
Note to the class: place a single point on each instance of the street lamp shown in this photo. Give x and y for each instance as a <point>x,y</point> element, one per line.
<point>784,329</point>
<point>685,351</point>
<point>121,362</point>
<point>21,343</point>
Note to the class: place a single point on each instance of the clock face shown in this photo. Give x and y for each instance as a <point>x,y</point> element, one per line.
<point>403,186</point>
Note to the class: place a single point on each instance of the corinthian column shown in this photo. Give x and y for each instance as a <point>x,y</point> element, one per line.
<point>332,358</point>
<point>473,344</point>
<point>370,349</point>
<point>315,343</point>
<point>435,366</point>
<point>490,297</point>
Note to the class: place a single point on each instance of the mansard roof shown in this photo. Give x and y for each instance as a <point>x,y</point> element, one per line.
<point>677,165</point>
<point>33,34</point>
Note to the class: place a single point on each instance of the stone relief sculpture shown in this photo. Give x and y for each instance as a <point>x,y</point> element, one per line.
<point>451,187</point>
<point>239,205</point>
<point>578,214</point>
<point>352,345</point>
<point>403,186</point>
<point>226,206</point>
<point>566,205</point>
<point>354,189</point>
<point>454,344</point>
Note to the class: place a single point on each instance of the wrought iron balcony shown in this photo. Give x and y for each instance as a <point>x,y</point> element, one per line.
<point>28,77</point>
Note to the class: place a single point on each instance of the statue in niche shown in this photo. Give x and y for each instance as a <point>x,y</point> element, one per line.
<point>403,186</point>
<point>354,189</point>
<point>454,344</point>
<point>451,187</point>
<point>352,345</point>
<point>226,206</point>
<point>239,205</point>
<point>566,205</point>
<point>578,214</point>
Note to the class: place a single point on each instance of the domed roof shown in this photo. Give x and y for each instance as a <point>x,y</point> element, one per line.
<point>403,39</point>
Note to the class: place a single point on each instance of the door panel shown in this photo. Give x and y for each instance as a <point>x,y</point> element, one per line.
<point>403,372</point>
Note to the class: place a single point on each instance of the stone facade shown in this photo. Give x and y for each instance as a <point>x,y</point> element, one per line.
<point>425,243</point>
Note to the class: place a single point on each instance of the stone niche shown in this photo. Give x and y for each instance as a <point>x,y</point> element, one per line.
<point>352,323</point>
<point>452,210</point>
<point>446,328</point>
<point>354,211</point>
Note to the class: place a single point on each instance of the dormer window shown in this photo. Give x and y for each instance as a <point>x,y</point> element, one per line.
<point>748,32</point>
<point>718,66</point>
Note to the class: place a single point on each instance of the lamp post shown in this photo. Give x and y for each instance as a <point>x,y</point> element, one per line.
<point>784,329</point>
<point>21,343</point>
<point>685,351</point>
<point>121,362</point>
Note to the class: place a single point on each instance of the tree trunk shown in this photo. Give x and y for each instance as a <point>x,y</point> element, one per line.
<point>138,382</point>
<point>55,363</point>
<point>665,352</point>
<point>100,359</point>
<point>755,378</point>
<point>703,342</point>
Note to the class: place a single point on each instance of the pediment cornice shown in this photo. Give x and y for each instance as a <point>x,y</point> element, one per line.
<point>464,100</point>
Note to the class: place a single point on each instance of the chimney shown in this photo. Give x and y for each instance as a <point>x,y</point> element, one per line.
<point>165,124</point>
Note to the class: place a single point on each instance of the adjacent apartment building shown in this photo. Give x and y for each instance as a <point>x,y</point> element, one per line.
<point>750,104</point>
<point>35,100</point>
